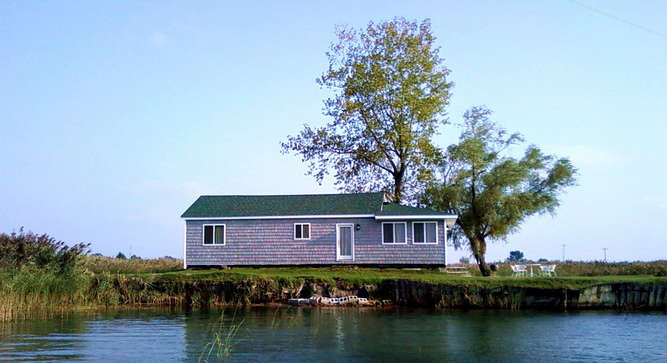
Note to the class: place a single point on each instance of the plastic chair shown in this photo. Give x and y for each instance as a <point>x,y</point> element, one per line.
<point>518,270</point>
<point>548,270</point>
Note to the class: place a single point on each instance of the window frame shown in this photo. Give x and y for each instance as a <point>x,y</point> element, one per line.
<point>405,233</point>
<point>425,243</point>
<point>310,232</point>
<point>203,234</point>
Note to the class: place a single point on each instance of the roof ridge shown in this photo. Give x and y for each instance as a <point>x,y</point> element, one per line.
<point>284,195</point>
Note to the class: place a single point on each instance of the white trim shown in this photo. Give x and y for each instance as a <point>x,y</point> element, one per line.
<point>338,256</point>
<point>224,234</point>
<point>185,246</point>
<point>445,242</point>
<point>309,231</point>
<point>431,217</point>
<point>405,231</point>
<point>425,243</point>
<point>283,217</point>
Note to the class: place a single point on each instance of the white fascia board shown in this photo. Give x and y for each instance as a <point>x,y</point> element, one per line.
<point>427,217</point>
<point>283,217</point>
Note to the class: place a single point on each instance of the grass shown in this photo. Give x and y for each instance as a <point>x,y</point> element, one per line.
<point>360,276</point>
<point>101,264</point>
<point>222,341</point>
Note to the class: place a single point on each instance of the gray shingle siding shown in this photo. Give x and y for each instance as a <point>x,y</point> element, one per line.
<point>271,242</point>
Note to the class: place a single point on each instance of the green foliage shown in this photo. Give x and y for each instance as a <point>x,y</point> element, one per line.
<point>39,251</point>
<point>493,193</point>
<point>515,256</point>
<point>121,256</point>
<point>464,260</point>
<point>391,91</point>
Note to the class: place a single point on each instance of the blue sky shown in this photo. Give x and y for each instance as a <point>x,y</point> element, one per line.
<point>115,116</point>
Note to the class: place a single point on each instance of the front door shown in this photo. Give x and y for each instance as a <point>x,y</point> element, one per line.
<point>345,241</point>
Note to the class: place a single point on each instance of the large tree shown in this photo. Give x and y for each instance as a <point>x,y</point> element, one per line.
<point>390,90</point>
<point>493,192</point>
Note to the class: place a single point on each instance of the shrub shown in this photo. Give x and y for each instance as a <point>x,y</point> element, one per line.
<point>41,251</point>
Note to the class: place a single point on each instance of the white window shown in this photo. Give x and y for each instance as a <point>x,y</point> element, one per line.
<point>214,234</point>
<point>301,230</point>
<point>394,233</point>
<point>424,232</point>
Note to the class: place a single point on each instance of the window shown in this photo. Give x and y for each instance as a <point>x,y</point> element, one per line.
<point>301,230</point>
<point>424,232</point>
<point>394,233</point>
<point>214,234</point>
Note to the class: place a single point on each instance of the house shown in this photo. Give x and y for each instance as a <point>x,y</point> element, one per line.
<point>318,229</point>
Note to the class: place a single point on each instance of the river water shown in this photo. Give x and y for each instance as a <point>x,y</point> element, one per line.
<point>337,335</point>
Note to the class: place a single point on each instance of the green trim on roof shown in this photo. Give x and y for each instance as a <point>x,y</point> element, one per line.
<point>395,209</point>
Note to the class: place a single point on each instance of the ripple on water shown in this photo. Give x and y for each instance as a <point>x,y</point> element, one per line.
<point>328,334</point>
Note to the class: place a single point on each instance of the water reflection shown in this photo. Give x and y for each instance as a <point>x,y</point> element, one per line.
<point>337,334</point>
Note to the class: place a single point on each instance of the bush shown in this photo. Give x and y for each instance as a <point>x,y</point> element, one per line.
<point>40,251</point>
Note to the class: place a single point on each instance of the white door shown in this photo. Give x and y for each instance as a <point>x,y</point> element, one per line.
<point>345,241</point>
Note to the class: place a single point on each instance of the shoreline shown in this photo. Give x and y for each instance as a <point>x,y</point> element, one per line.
<point>204,289</point>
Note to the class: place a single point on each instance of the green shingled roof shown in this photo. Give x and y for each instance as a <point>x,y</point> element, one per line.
<point>284,205</point>
<point>371,204</point>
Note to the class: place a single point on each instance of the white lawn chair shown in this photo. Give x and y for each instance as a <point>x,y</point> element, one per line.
<point>519,270</point>
<point>548,270</point>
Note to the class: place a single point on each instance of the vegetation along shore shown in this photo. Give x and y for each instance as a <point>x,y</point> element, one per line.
<point>39,275</point>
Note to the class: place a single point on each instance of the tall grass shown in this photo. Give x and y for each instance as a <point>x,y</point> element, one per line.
<point>101,264</point>
<point>222,341</point>
<point>27,292</point>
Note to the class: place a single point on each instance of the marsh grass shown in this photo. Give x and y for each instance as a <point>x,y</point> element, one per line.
<point>31,292</point>
<point>101,264</point>
<point>223,336</point>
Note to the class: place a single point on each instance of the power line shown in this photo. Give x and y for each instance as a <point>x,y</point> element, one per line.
<point>612,16</point>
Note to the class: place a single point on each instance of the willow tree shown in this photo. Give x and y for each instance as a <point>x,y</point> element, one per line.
<point>389,93</point>
<point>492,192</point>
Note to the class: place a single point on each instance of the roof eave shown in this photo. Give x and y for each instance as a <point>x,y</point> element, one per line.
<point>311,216</point>
<point>420,217</point>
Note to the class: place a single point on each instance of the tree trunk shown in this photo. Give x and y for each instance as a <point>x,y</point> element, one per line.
<point>398,187</point>
<point>479,250</point>
<point>483,267</point>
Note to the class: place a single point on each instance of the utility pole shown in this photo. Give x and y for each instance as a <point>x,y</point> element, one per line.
<point>563,253</point>
<point>605,254</point>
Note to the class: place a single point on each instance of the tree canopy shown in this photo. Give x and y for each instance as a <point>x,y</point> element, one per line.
<point>390,90</point>
<point>491,192</point>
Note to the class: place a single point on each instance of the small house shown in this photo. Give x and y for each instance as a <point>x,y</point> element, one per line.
<point>317,229</point>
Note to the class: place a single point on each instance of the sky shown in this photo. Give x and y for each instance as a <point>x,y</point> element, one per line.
<point>115,116</point>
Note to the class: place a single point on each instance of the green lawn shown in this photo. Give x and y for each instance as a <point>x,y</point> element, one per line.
<point>375,275</point>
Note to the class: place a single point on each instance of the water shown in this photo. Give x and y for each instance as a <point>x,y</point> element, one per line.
<point>338,334</point>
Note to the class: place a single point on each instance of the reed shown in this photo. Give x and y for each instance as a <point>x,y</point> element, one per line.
<point>222,341</point>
